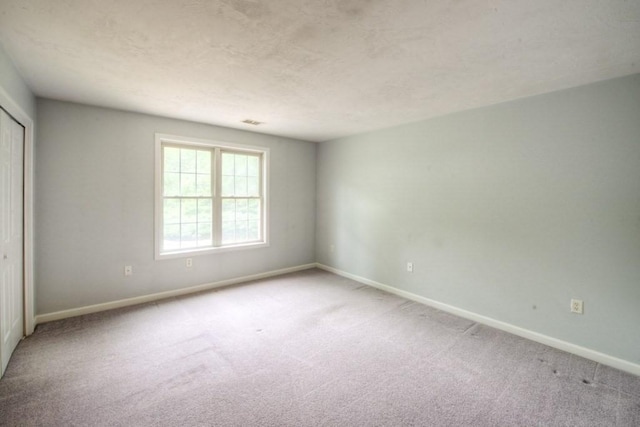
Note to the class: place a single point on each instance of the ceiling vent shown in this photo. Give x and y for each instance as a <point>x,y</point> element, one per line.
<point>252,122</point>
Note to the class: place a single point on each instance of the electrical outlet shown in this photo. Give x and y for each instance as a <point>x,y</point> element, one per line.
<point>577,306</point>
<point>332,248</point>
<point>410,267</point>
<point>128,270</point>
<point>189,262</point>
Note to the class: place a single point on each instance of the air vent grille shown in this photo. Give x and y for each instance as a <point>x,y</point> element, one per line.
<point>252,122</point>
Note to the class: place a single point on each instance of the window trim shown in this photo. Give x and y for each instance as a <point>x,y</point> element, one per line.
<point>161,139</point>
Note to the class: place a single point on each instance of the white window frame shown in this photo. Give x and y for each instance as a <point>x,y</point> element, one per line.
<point>173,140</point>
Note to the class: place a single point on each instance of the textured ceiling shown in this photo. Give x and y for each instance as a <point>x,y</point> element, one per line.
<point>311,69</point>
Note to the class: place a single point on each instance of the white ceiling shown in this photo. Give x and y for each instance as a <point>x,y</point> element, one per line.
<point>315,69</point>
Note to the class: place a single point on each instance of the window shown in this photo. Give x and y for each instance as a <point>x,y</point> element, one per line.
<point>210,196</point>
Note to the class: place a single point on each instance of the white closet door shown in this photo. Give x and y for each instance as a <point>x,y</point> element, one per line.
<point>11,236</point>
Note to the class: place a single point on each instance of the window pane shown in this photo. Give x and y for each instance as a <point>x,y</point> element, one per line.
<point>228,164</point>
<point>204,211</point>
<point>171,184</point>
<point>204,162</point>
<point>204,234</point>
<point>203,185</point>
<point>228,231</point>
<point>253,209</point>
<point>240,220</point>
<point>171,214</point>
<point>171,159</point>
<point>241,186</point>
<point>253,188</point>
<point>228,210</point>
<point>241,165</point>
<point>187,160</point>
<point>188,236</point>
<point>188,202</point>
<point>241,231</point>
<point>227,186</point>
<point>254,230</point>
<point>253,167</point>
<point>187,184</point>
<point>189,210</point>
<point>171,238</point>
<point>241,210</point>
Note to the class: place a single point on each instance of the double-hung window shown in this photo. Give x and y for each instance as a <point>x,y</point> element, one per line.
<point>210,196</point>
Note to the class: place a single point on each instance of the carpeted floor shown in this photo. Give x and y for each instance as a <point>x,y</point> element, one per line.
<point>304,349</point>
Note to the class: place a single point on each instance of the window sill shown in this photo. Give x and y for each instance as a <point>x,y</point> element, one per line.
<point>186,253</point>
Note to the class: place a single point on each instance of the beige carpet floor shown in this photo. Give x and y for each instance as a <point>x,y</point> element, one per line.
<point>304,349</point>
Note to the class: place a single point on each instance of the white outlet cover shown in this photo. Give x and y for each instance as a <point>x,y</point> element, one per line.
<point>577,306</point>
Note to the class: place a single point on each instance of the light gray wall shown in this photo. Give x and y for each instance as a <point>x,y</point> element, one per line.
<point>504,208</point>
<point>14,86</point>
<point>94,207</point>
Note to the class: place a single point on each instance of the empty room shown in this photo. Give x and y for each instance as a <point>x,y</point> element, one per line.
<point>320,213</point>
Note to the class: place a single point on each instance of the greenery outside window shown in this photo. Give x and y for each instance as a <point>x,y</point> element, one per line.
<point>209,196</point>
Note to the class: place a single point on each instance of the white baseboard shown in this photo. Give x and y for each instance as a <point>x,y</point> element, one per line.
<point>48,317</point>
<point>587,353</point>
